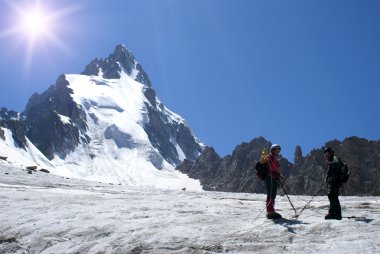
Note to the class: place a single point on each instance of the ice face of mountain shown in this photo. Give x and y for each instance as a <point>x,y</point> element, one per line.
<point>167,131</point>
<point>107,124</point>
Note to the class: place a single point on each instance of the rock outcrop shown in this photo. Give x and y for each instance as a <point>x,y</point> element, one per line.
<point>120,60</point>
<point>234,172</point>
<point>12,120</point>
<point>43,118</point>
<point>2,134</point>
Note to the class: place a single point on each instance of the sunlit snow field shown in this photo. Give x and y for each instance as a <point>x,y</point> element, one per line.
<point>44,213</point>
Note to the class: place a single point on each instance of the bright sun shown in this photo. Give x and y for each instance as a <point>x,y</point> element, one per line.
<point>35,23</point>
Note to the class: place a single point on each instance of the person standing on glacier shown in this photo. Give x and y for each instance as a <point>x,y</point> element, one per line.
<point>333,182</point>
<point>271,180</point>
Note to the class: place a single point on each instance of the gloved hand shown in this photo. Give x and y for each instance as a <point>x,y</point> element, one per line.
<point>263,160</point>
<point>280,176</point>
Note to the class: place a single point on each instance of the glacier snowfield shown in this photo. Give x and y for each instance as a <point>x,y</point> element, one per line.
<point>44,213</point>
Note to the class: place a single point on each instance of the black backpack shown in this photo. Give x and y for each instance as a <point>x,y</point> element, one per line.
<point>344,173</point>
<point>261,171</point>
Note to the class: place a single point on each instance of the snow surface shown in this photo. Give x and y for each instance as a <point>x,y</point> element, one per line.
<point>64,119</point>
<point>44,213</point>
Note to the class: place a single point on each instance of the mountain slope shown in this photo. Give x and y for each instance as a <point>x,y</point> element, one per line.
<point>15,147</point>
<point>107,124</point>
<point>22,156</point>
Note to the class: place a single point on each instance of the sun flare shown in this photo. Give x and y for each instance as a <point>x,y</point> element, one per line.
<point>35,23</point>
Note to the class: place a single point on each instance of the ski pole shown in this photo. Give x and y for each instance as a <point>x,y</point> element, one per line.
<point>295,211</point>
<point>311,199</point>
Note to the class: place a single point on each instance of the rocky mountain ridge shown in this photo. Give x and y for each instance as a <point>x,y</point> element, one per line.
<point>305,176</point>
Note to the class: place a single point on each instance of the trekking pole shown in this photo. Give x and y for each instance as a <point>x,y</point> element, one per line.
<point>295,211</point>
<point>323,187</point>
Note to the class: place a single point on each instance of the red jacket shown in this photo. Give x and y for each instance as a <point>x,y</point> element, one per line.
<point>273,166</point>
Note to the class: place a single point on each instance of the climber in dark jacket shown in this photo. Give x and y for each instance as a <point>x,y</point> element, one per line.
<point>333,184</point>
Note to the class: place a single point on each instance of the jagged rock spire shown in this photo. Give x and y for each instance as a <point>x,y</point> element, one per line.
<point>120,60</point>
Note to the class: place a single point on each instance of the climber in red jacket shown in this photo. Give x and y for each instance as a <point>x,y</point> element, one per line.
<point>271,180</point>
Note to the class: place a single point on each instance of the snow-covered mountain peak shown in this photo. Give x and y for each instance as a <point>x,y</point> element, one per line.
<point>118,62</point>
<point>107,124</point>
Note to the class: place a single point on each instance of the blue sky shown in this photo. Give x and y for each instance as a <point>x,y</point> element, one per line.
<point>295,72</point>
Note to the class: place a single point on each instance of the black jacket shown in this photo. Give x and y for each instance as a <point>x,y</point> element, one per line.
<point>333,173</point>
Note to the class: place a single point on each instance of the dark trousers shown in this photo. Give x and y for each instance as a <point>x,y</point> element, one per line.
<point>271,188</point>
<point>333,194</point>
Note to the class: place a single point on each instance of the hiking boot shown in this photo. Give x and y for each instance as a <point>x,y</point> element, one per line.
<point>273,216</point>
<point>330,216</point>
<point>333,217</point>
